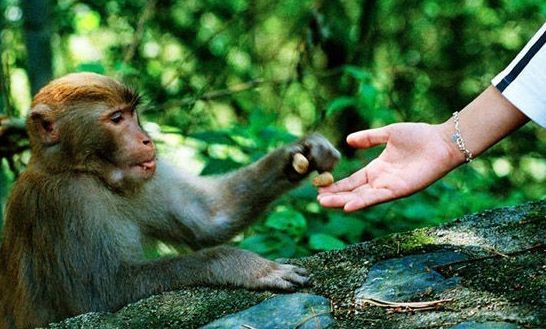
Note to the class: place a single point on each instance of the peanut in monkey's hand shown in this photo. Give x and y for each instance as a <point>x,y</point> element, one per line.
<point>300,163</point>
<point>311,153</point>
<point>324,179</point>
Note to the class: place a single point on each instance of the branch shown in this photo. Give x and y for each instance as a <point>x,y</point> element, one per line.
<point>178,70</point>
<point>146,15</point>
<point>13,136</point>
<point>407,306</point>
<point>12,126</point>
<point>235,89</point>
<point>5,86</point>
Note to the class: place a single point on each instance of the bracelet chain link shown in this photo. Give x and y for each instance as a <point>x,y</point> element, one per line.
<point>458,139</point>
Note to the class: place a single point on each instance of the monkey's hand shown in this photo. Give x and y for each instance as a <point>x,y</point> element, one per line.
<point>279,276</point>
<point>318,154</point>
<point>243,268</point>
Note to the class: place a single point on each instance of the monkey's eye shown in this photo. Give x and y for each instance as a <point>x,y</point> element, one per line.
<point>116,117</point>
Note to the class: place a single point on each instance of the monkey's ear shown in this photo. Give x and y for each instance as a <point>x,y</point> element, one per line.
<point>42,121</point>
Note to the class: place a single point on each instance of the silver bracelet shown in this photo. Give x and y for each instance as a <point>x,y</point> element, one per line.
<point>458,139</point>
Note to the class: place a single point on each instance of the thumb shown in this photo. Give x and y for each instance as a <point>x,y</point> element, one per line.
<point>368,138</point>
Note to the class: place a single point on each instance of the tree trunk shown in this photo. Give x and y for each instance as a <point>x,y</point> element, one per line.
<point>339,53</point>
<point>38,42</point>
<point>3,193</point>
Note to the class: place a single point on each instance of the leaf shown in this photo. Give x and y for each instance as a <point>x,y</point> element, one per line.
<point>271,246</point>
<point>219,166</point>
<point>357,72</point>
<point>274,134</point>
<point>321,241</point>
<point>260,243</point>
<point>214,137</point>
<point>166,129</point>
<point>419,210</point>
<point>345,226</point>
<point>289,221</point>
<point>91,67</point>
<point>305,191</point>
<point>338,104</point>
<point>367,91</point>
<point>367,94</point>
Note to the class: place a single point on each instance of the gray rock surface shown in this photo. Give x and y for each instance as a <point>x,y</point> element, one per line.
<point>303,311</point>
<point>485,325</point>
<point>501,280</point>
<point>406,278</point>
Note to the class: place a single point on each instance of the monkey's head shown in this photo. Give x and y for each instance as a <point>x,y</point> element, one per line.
<point>86,122</point>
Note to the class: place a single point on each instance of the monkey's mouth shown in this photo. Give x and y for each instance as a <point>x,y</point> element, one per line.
<point>148,165</point>
<point>144,168</point>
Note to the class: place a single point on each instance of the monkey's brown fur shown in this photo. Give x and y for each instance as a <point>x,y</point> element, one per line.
<point>93,191</point>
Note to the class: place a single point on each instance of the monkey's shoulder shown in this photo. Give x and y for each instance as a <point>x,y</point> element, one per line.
<point>71,184</point>
<point>52,195</point>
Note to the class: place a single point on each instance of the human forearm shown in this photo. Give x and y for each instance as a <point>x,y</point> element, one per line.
<point>486,120</point>
<point>419,154</point>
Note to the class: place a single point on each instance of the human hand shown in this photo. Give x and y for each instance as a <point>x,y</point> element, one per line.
<point>416,155</point>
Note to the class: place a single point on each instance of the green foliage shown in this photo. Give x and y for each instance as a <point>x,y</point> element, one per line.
<point>322,241</point>
<point>288,221</point>
<point>234,79</point>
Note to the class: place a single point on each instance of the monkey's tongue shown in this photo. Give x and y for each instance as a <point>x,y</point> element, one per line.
<point>148,165</point>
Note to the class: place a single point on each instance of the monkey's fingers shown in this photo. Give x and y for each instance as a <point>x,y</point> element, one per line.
<point>301,271</point>
<point>276,282</point>
<point>296,274</point>
<point>285,277</point>
<point>297,269</point>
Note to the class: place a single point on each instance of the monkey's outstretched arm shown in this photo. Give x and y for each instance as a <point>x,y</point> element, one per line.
<point>210,210</point>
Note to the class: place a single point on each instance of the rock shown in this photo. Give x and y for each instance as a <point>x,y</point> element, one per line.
<point>405,279</point>
<point>283,311</point>
<point>485,325</point>
<point>188,308</point>
<point>494,276</point>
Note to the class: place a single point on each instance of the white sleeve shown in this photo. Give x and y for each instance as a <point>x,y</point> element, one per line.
<point>523,82</point>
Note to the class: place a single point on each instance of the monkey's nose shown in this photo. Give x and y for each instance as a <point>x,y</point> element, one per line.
<point>146,141</point>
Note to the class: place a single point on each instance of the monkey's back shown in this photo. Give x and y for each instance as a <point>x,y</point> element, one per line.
<point>49,266</point>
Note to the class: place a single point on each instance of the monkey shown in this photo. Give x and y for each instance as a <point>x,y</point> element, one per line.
<point>95,189</point>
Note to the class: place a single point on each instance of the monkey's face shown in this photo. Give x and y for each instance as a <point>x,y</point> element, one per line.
<point>133,153</point>
<point>87,122</point>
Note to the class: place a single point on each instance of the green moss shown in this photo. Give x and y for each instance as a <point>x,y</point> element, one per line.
<point>416,240</point>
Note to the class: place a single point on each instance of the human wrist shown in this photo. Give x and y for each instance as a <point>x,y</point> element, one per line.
<point>454,155</point>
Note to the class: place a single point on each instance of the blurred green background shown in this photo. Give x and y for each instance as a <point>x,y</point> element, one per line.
<point>228,80</point>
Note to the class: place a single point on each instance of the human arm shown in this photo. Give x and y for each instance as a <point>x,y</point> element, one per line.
<point>418,154</point>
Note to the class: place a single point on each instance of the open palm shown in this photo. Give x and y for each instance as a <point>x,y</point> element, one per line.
<point>416,155</point>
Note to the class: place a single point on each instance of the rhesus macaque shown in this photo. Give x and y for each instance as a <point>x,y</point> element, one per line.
<point>93,190</point>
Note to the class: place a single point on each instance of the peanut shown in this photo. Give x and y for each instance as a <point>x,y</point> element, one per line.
<point>324,179</point>
<point>300,163</point>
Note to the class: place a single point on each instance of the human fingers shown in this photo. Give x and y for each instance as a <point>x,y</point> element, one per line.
<point>363,197</point>
<point>368,138</point>
<point>335,200</point>
<point>367,197</point>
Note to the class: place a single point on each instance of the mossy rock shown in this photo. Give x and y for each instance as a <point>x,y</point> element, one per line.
<point>500,278</point>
